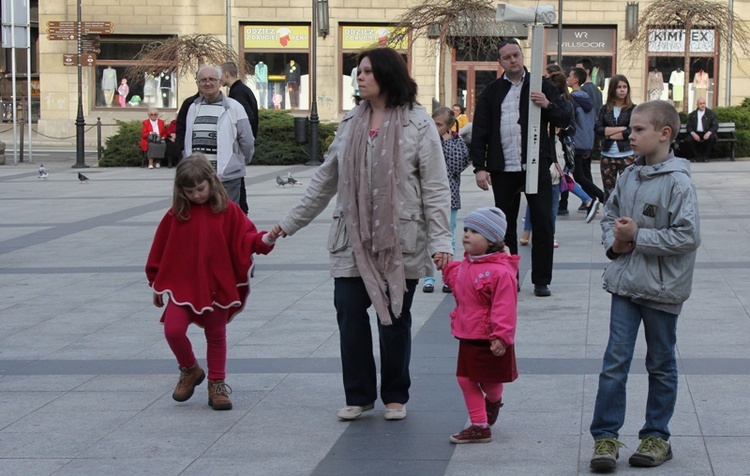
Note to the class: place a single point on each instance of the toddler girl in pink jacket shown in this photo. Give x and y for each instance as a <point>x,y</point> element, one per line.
<point>484,321</point>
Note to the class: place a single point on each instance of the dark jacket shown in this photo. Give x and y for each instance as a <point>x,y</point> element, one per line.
<point>181,123</point>
<point>607,119</point>
<point>710,122</point>
<point>585,120</point>
<point>243,95</point>
<point>486,150</point>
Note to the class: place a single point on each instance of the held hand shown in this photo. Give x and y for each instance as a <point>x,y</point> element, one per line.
<point>506,250</point>
<point>158,300</point>
<point>539,99</point>
<point>277,232</point>
<point>483,179</point>
<point>497,348</point>
<point>441,259</point>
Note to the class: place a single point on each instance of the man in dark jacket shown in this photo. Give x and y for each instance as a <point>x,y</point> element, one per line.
<point>242,94</point>
<point>498,152</point>
<point>702,125</point>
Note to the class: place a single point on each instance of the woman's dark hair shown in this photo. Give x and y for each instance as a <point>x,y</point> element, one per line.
<point>612,92</point>
<point>392,75</point>
<point>553,67</point>
<point>460,107</point>
<point>560,82</point>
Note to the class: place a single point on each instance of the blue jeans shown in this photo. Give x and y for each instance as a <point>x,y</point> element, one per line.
<point>661,335</point>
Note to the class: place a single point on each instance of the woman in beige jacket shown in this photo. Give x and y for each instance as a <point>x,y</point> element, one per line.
<point>387,170</point>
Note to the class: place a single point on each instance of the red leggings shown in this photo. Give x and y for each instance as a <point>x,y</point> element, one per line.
<point>474,394</point>
<point>176,322</point>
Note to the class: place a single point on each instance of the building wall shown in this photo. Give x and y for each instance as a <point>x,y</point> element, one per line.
<point>58,83</point>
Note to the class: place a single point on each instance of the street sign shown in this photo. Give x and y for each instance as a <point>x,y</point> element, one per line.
<point>86,60</point>
<point>62,37</point>
<point>85,28</point>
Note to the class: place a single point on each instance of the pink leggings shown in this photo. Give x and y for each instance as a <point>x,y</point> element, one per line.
<point>474,394</point>
<point>176,322</point>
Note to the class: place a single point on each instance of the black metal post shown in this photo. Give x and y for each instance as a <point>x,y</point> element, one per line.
<point>314,120</point>
<point>98,139</point>
<point>559,32</point>
<point>80,122</point>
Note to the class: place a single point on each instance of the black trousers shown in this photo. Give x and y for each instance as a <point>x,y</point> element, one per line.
<point>582,175</point>
<point>507,188</point>
<point>357,358</point>
<point>701,150</point>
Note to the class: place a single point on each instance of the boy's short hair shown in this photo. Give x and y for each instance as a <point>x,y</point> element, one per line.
<point>587,64</point>
<point>580,75</point>
<point>660,114</point>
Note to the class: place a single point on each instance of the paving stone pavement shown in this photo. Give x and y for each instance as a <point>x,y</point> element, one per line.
<point>86,375</point>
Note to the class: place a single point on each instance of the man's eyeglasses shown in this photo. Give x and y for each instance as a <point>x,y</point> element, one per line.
<point>154,115</point>
<point>208,80</point>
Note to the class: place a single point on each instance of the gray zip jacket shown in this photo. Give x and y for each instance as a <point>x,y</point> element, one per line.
<point>662,200</point>
<point>235,143</point>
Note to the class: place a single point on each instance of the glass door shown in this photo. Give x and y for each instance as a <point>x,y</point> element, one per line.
<point>469,81</point>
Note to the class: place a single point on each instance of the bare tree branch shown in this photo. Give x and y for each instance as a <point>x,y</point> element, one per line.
<point>690,15</point>
<point>183,55</point>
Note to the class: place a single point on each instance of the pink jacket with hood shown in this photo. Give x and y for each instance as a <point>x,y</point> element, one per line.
<point>485,289</point>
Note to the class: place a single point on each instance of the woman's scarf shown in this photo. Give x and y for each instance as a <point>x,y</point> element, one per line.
<point>371,202</point>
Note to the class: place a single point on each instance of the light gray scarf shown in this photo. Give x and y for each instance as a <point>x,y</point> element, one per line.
<point>371,208</point>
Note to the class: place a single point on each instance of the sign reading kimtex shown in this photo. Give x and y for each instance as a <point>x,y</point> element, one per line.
<point>673,41</point>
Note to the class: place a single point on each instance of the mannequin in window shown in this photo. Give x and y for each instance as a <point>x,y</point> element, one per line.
<point>261,80</point>
<point>353,75</point>
<point>700,83</point>
<point>122,91</point>
<point>150,89</point>
<point>677,81</point>
<point>292,77</point>
<point>109,84</point>
<point>166,86</point>
<point>655,85</point>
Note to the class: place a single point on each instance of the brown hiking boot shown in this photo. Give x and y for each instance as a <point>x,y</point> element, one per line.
<point>218,395</point>
<point>190,377</point>
<point>493,409</point>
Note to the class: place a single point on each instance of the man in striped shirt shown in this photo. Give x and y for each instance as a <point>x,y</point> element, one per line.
<point>218,127</point>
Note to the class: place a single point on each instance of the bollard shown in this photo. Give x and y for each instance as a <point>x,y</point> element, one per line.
<point>98,139</point>
<point>301,130</point>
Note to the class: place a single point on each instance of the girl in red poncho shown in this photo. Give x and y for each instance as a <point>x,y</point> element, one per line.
<point>485,287</point>
<point>198,265</point>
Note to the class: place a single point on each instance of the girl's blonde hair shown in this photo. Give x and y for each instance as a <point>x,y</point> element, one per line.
<point>450,116</point>
<point>191,171</point>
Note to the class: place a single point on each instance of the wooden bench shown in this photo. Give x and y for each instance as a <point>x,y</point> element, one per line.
<point>726,133</point>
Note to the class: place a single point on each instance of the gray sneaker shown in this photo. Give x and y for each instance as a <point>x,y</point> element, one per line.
<point>652,451</point>
<point>606,452</point>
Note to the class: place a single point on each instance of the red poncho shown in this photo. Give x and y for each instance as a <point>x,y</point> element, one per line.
<point>204,261</point>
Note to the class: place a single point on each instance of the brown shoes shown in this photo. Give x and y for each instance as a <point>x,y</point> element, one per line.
<point>190,377</point>
<point>218,395</point>
<point>493,410</point>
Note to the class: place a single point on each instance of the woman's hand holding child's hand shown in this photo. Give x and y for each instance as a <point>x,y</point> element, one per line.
<point>441,259</point>
<point>497,348</point>
<point>158,300</point>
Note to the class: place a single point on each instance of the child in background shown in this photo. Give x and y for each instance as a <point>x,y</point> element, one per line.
<point>456,161</point>
<point>199,262</point>
<point>651,231</point>
<point>484,321</point>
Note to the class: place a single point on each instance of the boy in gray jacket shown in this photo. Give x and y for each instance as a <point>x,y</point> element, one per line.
<point>651,233</point>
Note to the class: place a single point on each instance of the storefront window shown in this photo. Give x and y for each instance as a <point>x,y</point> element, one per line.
<point>114,88</point>
<point>355,38</point>
<point>666,63</point>
<point>596,43</point>
<point>279,59</point>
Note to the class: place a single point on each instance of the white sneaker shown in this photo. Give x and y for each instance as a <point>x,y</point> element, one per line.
<point>593,210</point>
<point>353,411</point>
<point>150,166</point>
<point>395,413</point>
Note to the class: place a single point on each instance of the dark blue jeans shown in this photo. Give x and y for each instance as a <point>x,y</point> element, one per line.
<point>357,358</point>
<point>661,336</point>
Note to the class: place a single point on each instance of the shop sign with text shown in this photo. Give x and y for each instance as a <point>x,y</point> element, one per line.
<point>277,37</point>
<point>673,41</point>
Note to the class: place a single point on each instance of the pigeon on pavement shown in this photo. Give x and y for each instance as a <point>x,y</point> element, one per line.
<point>280,181</point>
<point>43,174</point>
<point>291,180</point>
<point>82,178</point>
